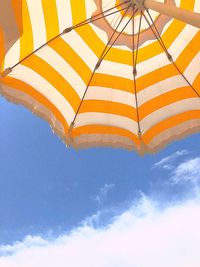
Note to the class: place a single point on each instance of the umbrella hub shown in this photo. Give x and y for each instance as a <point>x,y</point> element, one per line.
<point>119,17</point>
<point>138,3</point>
<point>123,4</point>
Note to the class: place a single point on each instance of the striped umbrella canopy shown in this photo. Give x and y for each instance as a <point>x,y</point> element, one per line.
<point>120,73</point>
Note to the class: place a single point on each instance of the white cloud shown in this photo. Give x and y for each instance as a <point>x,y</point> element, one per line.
<point>188,171</point>
<point>167,162</point>
<point>103,193</point>
<point>143,236</point>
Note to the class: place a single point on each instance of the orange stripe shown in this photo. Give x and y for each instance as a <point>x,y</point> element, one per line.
<point>110,81</point>
<point>54,78</point>
<point>101,129</point>
<point>169,123</point>
<point>108,107</point>
<point>26,40</point>
<point>73,59</point>
<point>196,83</point>
<point>166,99</point>
<point>27,89</point>
<point>51,18</point>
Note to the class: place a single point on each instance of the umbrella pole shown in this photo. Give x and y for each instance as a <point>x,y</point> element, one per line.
<point>186,16</point>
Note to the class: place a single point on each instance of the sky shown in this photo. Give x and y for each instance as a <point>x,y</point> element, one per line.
<point>99,207</point>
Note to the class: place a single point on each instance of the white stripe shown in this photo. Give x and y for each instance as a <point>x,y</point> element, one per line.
<point>108,94</point>
<point>13,55</point>
<point>116,69</point>
<point>160,88</point>
<point>37,22</point>
<point>33,79</point>
<point>81,48</point>
<point>90,7</point>
<point>91,118</point>
<point>64,14</point>
<point>193,69</point>
<point>63,68</point>
<point>182,40</point>
<point>169,111</point>
<point>197,6</point>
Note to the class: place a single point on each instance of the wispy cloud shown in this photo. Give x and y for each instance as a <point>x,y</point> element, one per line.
<point>103,192</point>
<point>187,171</point>
<point>29,242</point>
<point>182,172</point>
<point>143,236</point>
<point>168,162</point>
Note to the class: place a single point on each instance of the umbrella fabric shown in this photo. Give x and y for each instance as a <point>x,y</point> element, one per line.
<point>10,24</point>
<point>84,77</point>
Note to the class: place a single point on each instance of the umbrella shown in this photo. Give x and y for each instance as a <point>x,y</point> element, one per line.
<point>119,73</point>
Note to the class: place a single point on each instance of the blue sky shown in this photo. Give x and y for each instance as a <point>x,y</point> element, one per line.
<point>48,192</point>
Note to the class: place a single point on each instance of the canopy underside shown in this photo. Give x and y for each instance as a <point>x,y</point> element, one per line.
<point>138,99</point>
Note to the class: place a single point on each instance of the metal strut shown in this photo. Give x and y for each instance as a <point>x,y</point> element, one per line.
<point>135,58</point>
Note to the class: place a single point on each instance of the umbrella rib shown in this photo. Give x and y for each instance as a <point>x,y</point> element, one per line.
<point>138,42</point>
<point>90,20</point>
<point>158,36</point>
<point>98,65</point>
<point>135,58</point>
